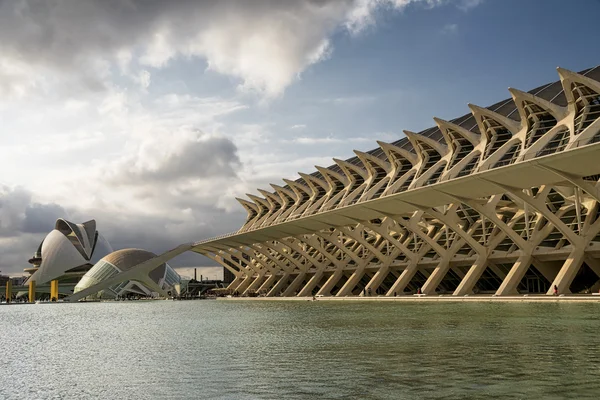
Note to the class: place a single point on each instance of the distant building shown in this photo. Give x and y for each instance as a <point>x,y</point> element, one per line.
<point>3,280</point>
<point>66,254</point>
<point>161,280</point>
<point>228,276</point>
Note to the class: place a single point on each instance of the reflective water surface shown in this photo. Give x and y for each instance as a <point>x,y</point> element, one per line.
<point>300,350</point>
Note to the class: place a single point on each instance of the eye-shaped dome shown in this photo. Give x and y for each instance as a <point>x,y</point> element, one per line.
<point>161,279</point>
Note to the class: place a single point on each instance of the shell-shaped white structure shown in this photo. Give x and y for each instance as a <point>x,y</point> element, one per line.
<point>161,279</point>
<point>67,252</point>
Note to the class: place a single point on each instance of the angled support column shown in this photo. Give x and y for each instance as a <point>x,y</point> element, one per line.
<point>267,283</point>
<point>573,263</point>
<point>404,278</point>
<point>378,277</point>
<point>513,278</point>
<point>331,282</point>
<point>275,262</point>
<point>481,263</point>
<point>293,287</point>
<point>339,272</point>
<point>468,283</point>
<point>310,285</point>
<point>410,225</point>
<point>565,276</point>
<point>383,271</point>
<point>278,287</point>
<point>436,276</point>
<point>352,281</point>
<point>241,289</point>
<point>256,282</point>
<point>235,283</point>
<point>320,266</point>
<point>360,270</point>
<point>440,271</point>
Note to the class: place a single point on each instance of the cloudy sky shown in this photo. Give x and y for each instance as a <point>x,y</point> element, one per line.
<point>151,116</point>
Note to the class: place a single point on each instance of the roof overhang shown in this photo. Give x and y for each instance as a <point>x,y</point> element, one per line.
<point>580,161</point>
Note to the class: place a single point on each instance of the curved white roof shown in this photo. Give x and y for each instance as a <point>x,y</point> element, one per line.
<point>69,246</point>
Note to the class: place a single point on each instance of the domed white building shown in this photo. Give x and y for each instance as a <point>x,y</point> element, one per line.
<point>160,280</point>
<point>67,253</point>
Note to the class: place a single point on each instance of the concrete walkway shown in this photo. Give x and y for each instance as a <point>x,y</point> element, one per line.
<point>434,298</point>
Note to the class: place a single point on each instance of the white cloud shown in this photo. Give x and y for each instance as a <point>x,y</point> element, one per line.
<point>142,79</point>
<point>264,44</point>
<point>350,100</point>
<point>450,29</point>
<point>330,139</point>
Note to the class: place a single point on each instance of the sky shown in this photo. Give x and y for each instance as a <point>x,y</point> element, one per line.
<point>151,117</point>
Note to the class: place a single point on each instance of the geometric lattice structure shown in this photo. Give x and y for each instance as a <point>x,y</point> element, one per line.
<point>502,200</point>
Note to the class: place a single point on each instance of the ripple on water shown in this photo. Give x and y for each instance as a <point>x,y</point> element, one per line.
<point>299,350</point>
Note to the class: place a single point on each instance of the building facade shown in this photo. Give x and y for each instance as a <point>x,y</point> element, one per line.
<point>500,201</point>
<point>159,281</point>
<point>66,254</point>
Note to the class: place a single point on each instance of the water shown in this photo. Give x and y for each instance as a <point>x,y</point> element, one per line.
<point>300,350</point>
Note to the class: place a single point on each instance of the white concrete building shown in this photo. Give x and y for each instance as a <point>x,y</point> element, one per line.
<point>67,253</point>
<point>502,200</point>
<point>159,281</point>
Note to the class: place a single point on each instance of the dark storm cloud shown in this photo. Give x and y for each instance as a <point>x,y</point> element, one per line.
<point>198,158</point>
<point>63,32</point>
<point>23,225</point>
<point>77,37</point>
<point>161,233</point>
<point>12,210</point>
<point>40,218</point>
<point>19,215</point>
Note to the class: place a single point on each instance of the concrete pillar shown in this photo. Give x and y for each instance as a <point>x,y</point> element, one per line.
<point>404,279</point>
<point>256,282</point>
<point>513,278</point>
<point>267,284</point>
<point>568,271</point>
<point>8,291</point>
<point>330,283</point>
<point>351,283</point>
<point>289,291</point>
<point>377,278</point>
<point>279,286</point>
<point>234,284</point>
<point>436,276</point>
<point>310,285</point>
<point>54,290</point>
<point>468,283</point>
<point>32,291</point>
<point>245,283</point>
